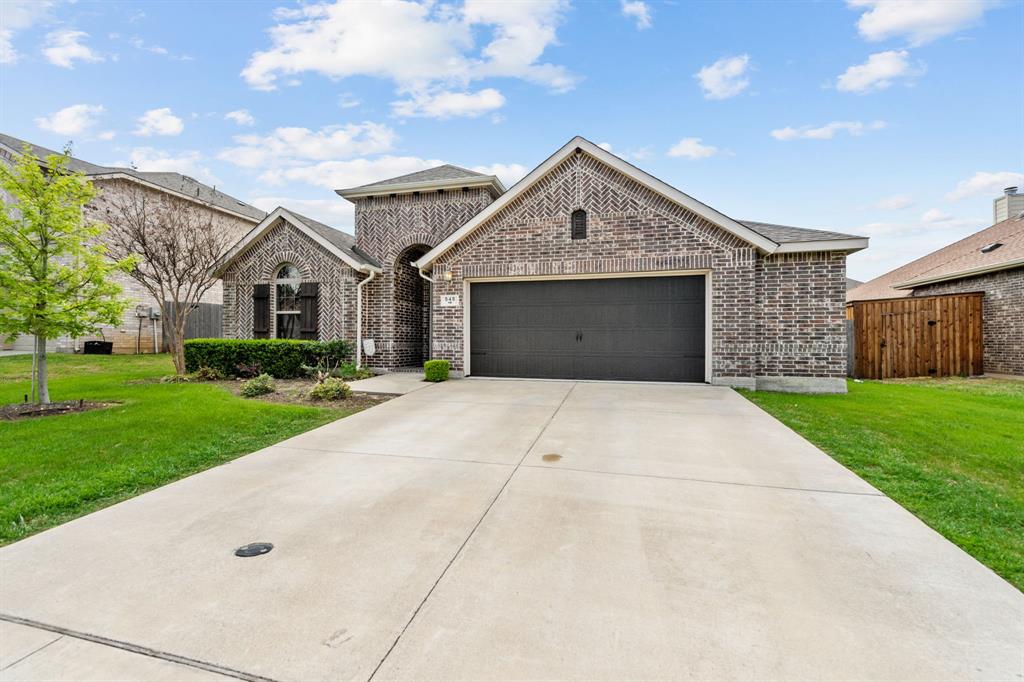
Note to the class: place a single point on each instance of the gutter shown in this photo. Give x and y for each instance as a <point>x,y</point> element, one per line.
<point>359,315</point>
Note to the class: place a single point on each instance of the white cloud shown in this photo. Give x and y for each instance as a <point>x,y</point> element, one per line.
<point>107,135</point>
<point>918,21</point>
<point>934,215</point>
<point>71,120</point>
<point>337,214</point>
<point>879,72</point>
<point>827,131</point>
<point>187,163</point>
<point>691,148</point>
<point>725,78</point>
<point>607,146</point>
<point>347,100</point>
<point>64,47</point>
<point>351,173</point>
<point>638,11</point>
<point>423,48</point>
<point>294,146</point>
<point>15,16</point>
<point>450,104</point>
<point>508,173</point>
<point>894,203</point>
<point>985,184</point>
<point>240,116</point>
<point>139,44</point>
<point>159,122</point>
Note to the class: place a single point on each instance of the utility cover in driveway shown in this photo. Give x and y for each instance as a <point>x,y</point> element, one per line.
<point>636,328</point>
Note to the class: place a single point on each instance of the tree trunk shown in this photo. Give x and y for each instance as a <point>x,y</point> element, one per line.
<point>44,386</point>
<point>175,344</point>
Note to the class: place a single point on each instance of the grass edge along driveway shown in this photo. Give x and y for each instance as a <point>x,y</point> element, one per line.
<point>54,469</point>
<point>951,451</point>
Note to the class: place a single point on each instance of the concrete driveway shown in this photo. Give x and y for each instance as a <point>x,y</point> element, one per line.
<point>513,530</point>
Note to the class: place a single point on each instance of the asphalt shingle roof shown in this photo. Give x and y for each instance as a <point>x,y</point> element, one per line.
<point>445,172</point>
<point>342,240</point>
<point>961,256</point>
<point>175,182</point>
<point>781,234</point>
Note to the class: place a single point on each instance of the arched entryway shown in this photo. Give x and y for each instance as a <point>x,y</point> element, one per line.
<point>411,310</point>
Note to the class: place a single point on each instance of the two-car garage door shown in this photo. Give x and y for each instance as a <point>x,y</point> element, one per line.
<point>627,328</point>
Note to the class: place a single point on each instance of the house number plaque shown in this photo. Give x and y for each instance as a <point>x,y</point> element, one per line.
<point>449,300</point>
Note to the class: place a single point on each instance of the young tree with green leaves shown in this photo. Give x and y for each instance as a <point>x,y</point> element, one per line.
<point>54,269</point>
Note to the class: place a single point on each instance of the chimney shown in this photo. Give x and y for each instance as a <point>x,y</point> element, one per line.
<point>1010,204</point>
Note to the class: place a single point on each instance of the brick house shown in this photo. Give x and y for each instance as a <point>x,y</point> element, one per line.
<point>990,261</point>
<point>138,331</point>
<point>587,268</point>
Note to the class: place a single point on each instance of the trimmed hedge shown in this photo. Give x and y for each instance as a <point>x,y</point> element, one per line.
<point>280,358</point>
<point>436,370</point>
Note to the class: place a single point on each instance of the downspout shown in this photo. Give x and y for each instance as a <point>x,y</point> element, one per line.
<point>430,313</point>
<point>359,316</point>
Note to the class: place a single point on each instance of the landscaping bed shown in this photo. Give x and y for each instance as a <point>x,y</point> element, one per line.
<point>29,410</point>
<point>950,451</point>
<point>297,392</point>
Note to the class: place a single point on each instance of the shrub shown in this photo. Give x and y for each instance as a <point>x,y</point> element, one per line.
<point>209,374</point>
<point>348,370</point>
<point>436,370</point>
<point>260,385</point>
<point>330,389</point>
<point>281,358</point>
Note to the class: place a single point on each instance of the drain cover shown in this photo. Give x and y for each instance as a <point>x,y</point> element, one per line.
<point>254,549</point>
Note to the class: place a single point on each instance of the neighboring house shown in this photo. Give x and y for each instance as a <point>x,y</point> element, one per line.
<point>990,261</point>
<point>852,283</point>
<point>1010,204</point>
<point>587,268</point>
<point>139,330</point>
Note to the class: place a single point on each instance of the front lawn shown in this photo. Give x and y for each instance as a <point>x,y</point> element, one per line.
<point>950,450</point>
<point>56,468</point>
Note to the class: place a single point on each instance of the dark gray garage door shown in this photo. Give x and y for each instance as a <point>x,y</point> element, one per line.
<point>637,328</point>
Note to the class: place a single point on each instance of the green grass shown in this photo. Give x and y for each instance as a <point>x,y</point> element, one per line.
<point>53,469</point>
<point>951,451</point>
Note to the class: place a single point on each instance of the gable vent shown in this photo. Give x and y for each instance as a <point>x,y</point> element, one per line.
<point>579,224</point>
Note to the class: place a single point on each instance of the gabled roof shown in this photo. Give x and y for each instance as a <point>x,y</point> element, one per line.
<point>336,242</point>
<point>807,240</point>
<point>175,183</point>
<point>961,259</point>
<point>439,177</point>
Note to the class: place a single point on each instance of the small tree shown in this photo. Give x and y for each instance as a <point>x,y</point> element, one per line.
<point>176,245</point>
<point>54,269</point>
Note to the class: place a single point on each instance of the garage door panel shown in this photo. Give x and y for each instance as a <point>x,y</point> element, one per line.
<point>632,328</point>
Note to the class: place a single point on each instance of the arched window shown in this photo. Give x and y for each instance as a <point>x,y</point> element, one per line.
<point>289,304</point>
<point>579,224</point>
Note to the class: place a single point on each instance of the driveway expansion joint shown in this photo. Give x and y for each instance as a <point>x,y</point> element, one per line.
<point>131,648</point>
<point>472,531</point>
<point>32,653</point>
<point>708,481</point>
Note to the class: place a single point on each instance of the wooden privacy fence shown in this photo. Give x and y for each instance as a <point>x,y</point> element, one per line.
<point>204,322</point>
<point>917,336</point>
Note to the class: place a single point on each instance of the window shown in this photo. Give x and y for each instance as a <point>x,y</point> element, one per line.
<point>579,224</point>
<point>289,306</point>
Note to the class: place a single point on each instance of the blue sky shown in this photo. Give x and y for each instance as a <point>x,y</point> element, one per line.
<point>899,120</point>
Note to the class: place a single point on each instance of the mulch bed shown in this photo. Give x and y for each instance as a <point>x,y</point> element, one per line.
<point>296,392</point>
<point>27,410</point>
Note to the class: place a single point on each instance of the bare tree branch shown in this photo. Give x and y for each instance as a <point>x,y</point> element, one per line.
<point>177,244</point>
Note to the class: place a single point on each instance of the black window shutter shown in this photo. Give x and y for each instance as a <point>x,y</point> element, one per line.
<point>309,317</point>
<point>579,224</point>
<point>261,311</point>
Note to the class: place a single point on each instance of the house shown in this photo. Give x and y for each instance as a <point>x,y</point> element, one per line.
<point>991,262</point>
<point>140,329</point>
<point>852,283</point>
<point>587,268</point>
